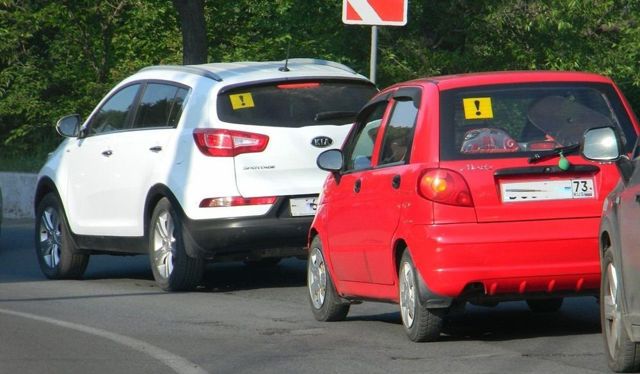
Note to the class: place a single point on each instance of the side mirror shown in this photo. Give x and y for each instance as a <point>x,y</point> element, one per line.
<point>330,160</point>
<point>68,126</point>
<point>601,144</point>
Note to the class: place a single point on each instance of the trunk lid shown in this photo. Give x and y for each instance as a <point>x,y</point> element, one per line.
<point>302,118</point>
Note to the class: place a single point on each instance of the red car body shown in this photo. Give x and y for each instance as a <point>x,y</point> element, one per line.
<point>448,202</point>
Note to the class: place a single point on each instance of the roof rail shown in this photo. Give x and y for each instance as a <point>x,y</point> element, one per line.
<point>317,61</point>
<point>187,69</point>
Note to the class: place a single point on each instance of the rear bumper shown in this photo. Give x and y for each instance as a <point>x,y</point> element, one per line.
<point>276,234</point>
<point>508,260</point>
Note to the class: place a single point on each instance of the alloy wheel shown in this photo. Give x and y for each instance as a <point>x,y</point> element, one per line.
<point>50,237</point>
<point>612,313</point>
<point>407,295</point>
<point>164,244</point>
<point>317,278</point>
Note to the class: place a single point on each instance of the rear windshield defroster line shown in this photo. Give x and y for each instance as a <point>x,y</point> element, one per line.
<point>294,103</point>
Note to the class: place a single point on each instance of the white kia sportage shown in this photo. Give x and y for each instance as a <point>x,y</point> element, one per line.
<point>197,163</point>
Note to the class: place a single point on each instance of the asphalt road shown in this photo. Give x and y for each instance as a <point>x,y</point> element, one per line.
<point>244,320</point>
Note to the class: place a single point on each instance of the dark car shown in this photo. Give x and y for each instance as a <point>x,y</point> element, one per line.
<point>620,258</point>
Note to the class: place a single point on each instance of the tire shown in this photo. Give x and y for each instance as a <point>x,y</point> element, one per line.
<point>173,269</point>
<point>421,324</point>
<point>545,305</point>
<point>325,303</point>
<point>623,355</point>
<point>56,252</point>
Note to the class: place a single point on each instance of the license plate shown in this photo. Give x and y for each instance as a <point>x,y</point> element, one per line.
<point>547,190</point>
<point>304,206</point>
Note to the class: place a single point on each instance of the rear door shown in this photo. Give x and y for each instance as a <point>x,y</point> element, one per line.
<point>505,141</point>
<point>301,119</point>
<point>145,152</point>
<point>388,186</point>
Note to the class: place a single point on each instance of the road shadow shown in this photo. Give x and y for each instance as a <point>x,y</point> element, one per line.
<point>236,276</point>
<point>218,277</point>
<point>511,321</point>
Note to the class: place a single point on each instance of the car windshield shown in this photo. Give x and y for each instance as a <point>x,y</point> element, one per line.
<point>295,103</point>
<point>509,120</point>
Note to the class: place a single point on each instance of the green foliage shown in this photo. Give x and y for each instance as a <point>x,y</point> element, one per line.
<point>61,57</point>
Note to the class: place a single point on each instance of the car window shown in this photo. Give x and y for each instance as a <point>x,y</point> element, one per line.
<point>514,120</point>
<point>114,114</point>
<point>398,135</point>
<point>359,150</point>
<point>294,104</point>
<point>160,106</point>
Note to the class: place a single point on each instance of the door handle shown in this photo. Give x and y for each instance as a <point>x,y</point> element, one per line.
<point>357,186</point>
<point>107,153</point>
<point>395,182</point>
<point>157,148</point>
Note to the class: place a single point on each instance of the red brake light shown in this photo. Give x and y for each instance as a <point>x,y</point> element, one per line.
<point>445,186</point>
<point>298,85</point>
<point>228,143</point>
<point>228,201</point>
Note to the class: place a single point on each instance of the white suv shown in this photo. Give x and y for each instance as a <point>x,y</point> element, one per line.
<point>195,163</point>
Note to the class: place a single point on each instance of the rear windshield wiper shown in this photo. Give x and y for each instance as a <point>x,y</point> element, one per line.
<point>539,157</point>
<point>323,116</point>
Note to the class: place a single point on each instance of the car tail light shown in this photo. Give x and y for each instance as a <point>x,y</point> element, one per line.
<point>228,143</point>
<point>227,201</point>
<point>289,86</point>
<point>445,186</point>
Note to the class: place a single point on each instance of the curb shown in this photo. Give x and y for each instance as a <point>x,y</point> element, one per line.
<point>18,192</point>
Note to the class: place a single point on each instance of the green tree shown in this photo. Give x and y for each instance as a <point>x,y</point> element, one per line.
<point>61,57</point>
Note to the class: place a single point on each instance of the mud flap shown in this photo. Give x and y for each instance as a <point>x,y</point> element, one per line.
<point>430,299</point>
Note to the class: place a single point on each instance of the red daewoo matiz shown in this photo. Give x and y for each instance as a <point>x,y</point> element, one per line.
<point>466,188</point>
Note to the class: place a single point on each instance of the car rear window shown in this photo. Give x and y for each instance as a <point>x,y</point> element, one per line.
<point>294,103</point>
<point>512,120</point>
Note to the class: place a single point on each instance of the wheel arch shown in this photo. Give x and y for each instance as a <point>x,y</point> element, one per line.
<point>399,247</point>
<point>45,185</point>
<point>427,297</point>
<point>155,194</point>
<point>313,232</point>
<point>604,241</point>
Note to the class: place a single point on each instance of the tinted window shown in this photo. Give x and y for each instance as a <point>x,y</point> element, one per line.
<point>513,120</point>
<point>399,133</point>
<point>360,147</point>
<point>160,106</point>
<point>295,104</point>
<point>114,114</point>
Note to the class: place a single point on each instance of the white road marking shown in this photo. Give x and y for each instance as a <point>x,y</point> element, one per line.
<point>179,364</point>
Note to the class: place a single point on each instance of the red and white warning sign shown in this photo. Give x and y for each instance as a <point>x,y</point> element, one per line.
<point>374,12</point>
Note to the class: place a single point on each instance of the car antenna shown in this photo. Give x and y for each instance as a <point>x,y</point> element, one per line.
<point>285,68</point>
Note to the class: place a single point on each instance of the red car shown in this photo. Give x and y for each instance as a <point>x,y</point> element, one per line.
<point>466,188</point>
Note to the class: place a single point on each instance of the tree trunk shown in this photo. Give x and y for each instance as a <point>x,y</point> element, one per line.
<point>194,31</point>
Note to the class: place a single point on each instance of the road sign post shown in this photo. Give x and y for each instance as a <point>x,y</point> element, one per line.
<point>374,13</point>
<point>373,60</point>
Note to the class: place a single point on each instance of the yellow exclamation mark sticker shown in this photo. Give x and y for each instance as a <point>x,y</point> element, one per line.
<point>477,108</point>
<point>241,101</point>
